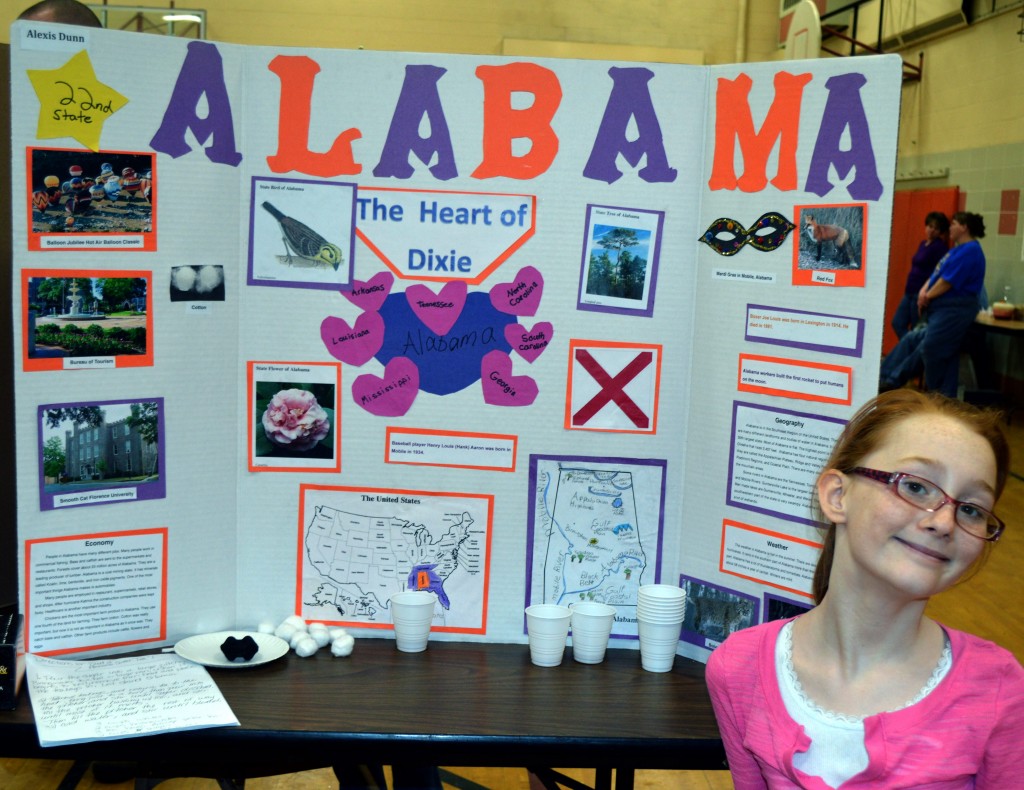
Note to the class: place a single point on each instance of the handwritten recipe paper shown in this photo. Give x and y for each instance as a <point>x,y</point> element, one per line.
<point>78,701</point>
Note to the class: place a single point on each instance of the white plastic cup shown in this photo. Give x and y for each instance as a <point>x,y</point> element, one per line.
<point>661,616</point>
<point>658,643</point>
<point>660,595</point>
<point>547,626</point>
<point>591,627</point>
<point>661,603</point>
<point>412,612</point>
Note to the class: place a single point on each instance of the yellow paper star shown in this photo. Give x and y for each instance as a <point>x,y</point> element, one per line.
<point>73,102</point>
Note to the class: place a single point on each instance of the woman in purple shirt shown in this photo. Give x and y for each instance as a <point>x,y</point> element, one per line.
<point>865,691</point>
<point>929,253</point>
<point>950,297</point>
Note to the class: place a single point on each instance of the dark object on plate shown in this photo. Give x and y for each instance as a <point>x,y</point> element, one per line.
<point>244,648</point>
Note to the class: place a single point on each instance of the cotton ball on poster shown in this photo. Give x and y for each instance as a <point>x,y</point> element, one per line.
<point>343,645</point>
<point>209,278</point>
<point>183,277</point>
<point>305,646</point>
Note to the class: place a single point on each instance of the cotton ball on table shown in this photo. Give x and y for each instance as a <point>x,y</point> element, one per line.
<point>265,627</point>
<point>320,634</point>
<point>336,631</point>
<point>342,646</point>
<point>297,637</point>
<point>306,646</point>
<point>295,622</point>
<point>285,631</point>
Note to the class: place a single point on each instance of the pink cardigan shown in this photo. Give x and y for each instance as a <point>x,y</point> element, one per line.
<point>968,733</point>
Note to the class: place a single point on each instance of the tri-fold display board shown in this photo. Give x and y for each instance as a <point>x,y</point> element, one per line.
<point>297,329</point>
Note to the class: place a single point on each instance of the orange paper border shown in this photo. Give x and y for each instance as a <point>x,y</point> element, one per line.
<point>489,498</point>
<point>575,343</point>
<point>57,363</point>
<point>392,430</point>
<point>769,533</point>
<point>844,278</point>
<point>789,393</point>
<point>401,274</point>
<point>250,415</point>
<point>149,240</point>
<point>163,588</point>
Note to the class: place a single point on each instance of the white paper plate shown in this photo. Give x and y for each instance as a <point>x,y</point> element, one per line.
<point>205,649</point>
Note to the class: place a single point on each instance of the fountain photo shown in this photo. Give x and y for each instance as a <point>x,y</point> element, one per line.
<point>77,320</point>
<point>100,452</point>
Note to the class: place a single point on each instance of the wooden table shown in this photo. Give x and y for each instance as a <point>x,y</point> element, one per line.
<point>457,704</point>
<point>1002,326</point>
<point>991,385</point>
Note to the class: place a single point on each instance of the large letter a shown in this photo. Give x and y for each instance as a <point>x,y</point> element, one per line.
<point>201,73</point>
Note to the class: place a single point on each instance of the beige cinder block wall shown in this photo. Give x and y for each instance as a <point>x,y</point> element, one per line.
<point>472,27</point>
<point>965,121</point>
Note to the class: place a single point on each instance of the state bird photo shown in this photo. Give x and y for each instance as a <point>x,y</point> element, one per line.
<point>304,241</point>
<point>302,233</point>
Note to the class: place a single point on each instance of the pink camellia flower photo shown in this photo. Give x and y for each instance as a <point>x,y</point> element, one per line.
<point>295,421</point>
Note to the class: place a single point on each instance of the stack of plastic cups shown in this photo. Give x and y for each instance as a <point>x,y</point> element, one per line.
<point>412,612</point>
<point>659,619</point>
<point>547,626</point>
<point>591,627</point>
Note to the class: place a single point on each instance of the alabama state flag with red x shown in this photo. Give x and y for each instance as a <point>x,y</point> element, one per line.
<point>613,386</point>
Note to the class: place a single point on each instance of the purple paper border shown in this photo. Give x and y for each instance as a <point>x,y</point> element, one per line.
<point>695,637</point>
<point>652,268</point>
<point>342,286</point>
<point>857,351</point>
<point>157,489</point>
<point>531,502</point>
<point>732,450</point>
<point>768,597</point>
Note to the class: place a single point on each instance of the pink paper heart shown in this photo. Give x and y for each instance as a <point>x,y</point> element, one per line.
<point>391,395</point>
<point>370,294</point>
<point>522,295</point>
<point>529,343</point>
<point>353,345</point>
<point>501,388</point>
<point>439,311</point>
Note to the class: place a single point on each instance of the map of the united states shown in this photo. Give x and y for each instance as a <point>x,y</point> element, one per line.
<point>361,560</point>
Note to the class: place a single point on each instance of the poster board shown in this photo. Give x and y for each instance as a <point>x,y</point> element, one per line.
<point>511,330</point>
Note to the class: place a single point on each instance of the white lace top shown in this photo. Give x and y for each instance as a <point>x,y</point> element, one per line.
<point>837,750</point>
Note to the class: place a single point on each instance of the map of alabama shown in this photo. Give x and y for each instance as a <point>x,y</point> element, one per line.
<point>594,547</point>
<point>361,560</point>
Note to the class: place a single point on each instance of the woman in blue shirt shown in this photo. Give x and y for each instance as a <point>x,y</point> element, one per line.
<point>951,299</point>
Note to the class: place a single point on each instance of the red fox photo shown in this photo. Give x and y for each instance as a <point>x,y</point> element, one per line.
<point>831,238</point>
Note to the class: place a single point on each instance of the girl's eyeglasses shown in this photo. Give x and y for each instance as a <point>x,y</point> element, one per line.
<point>925,495</point>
